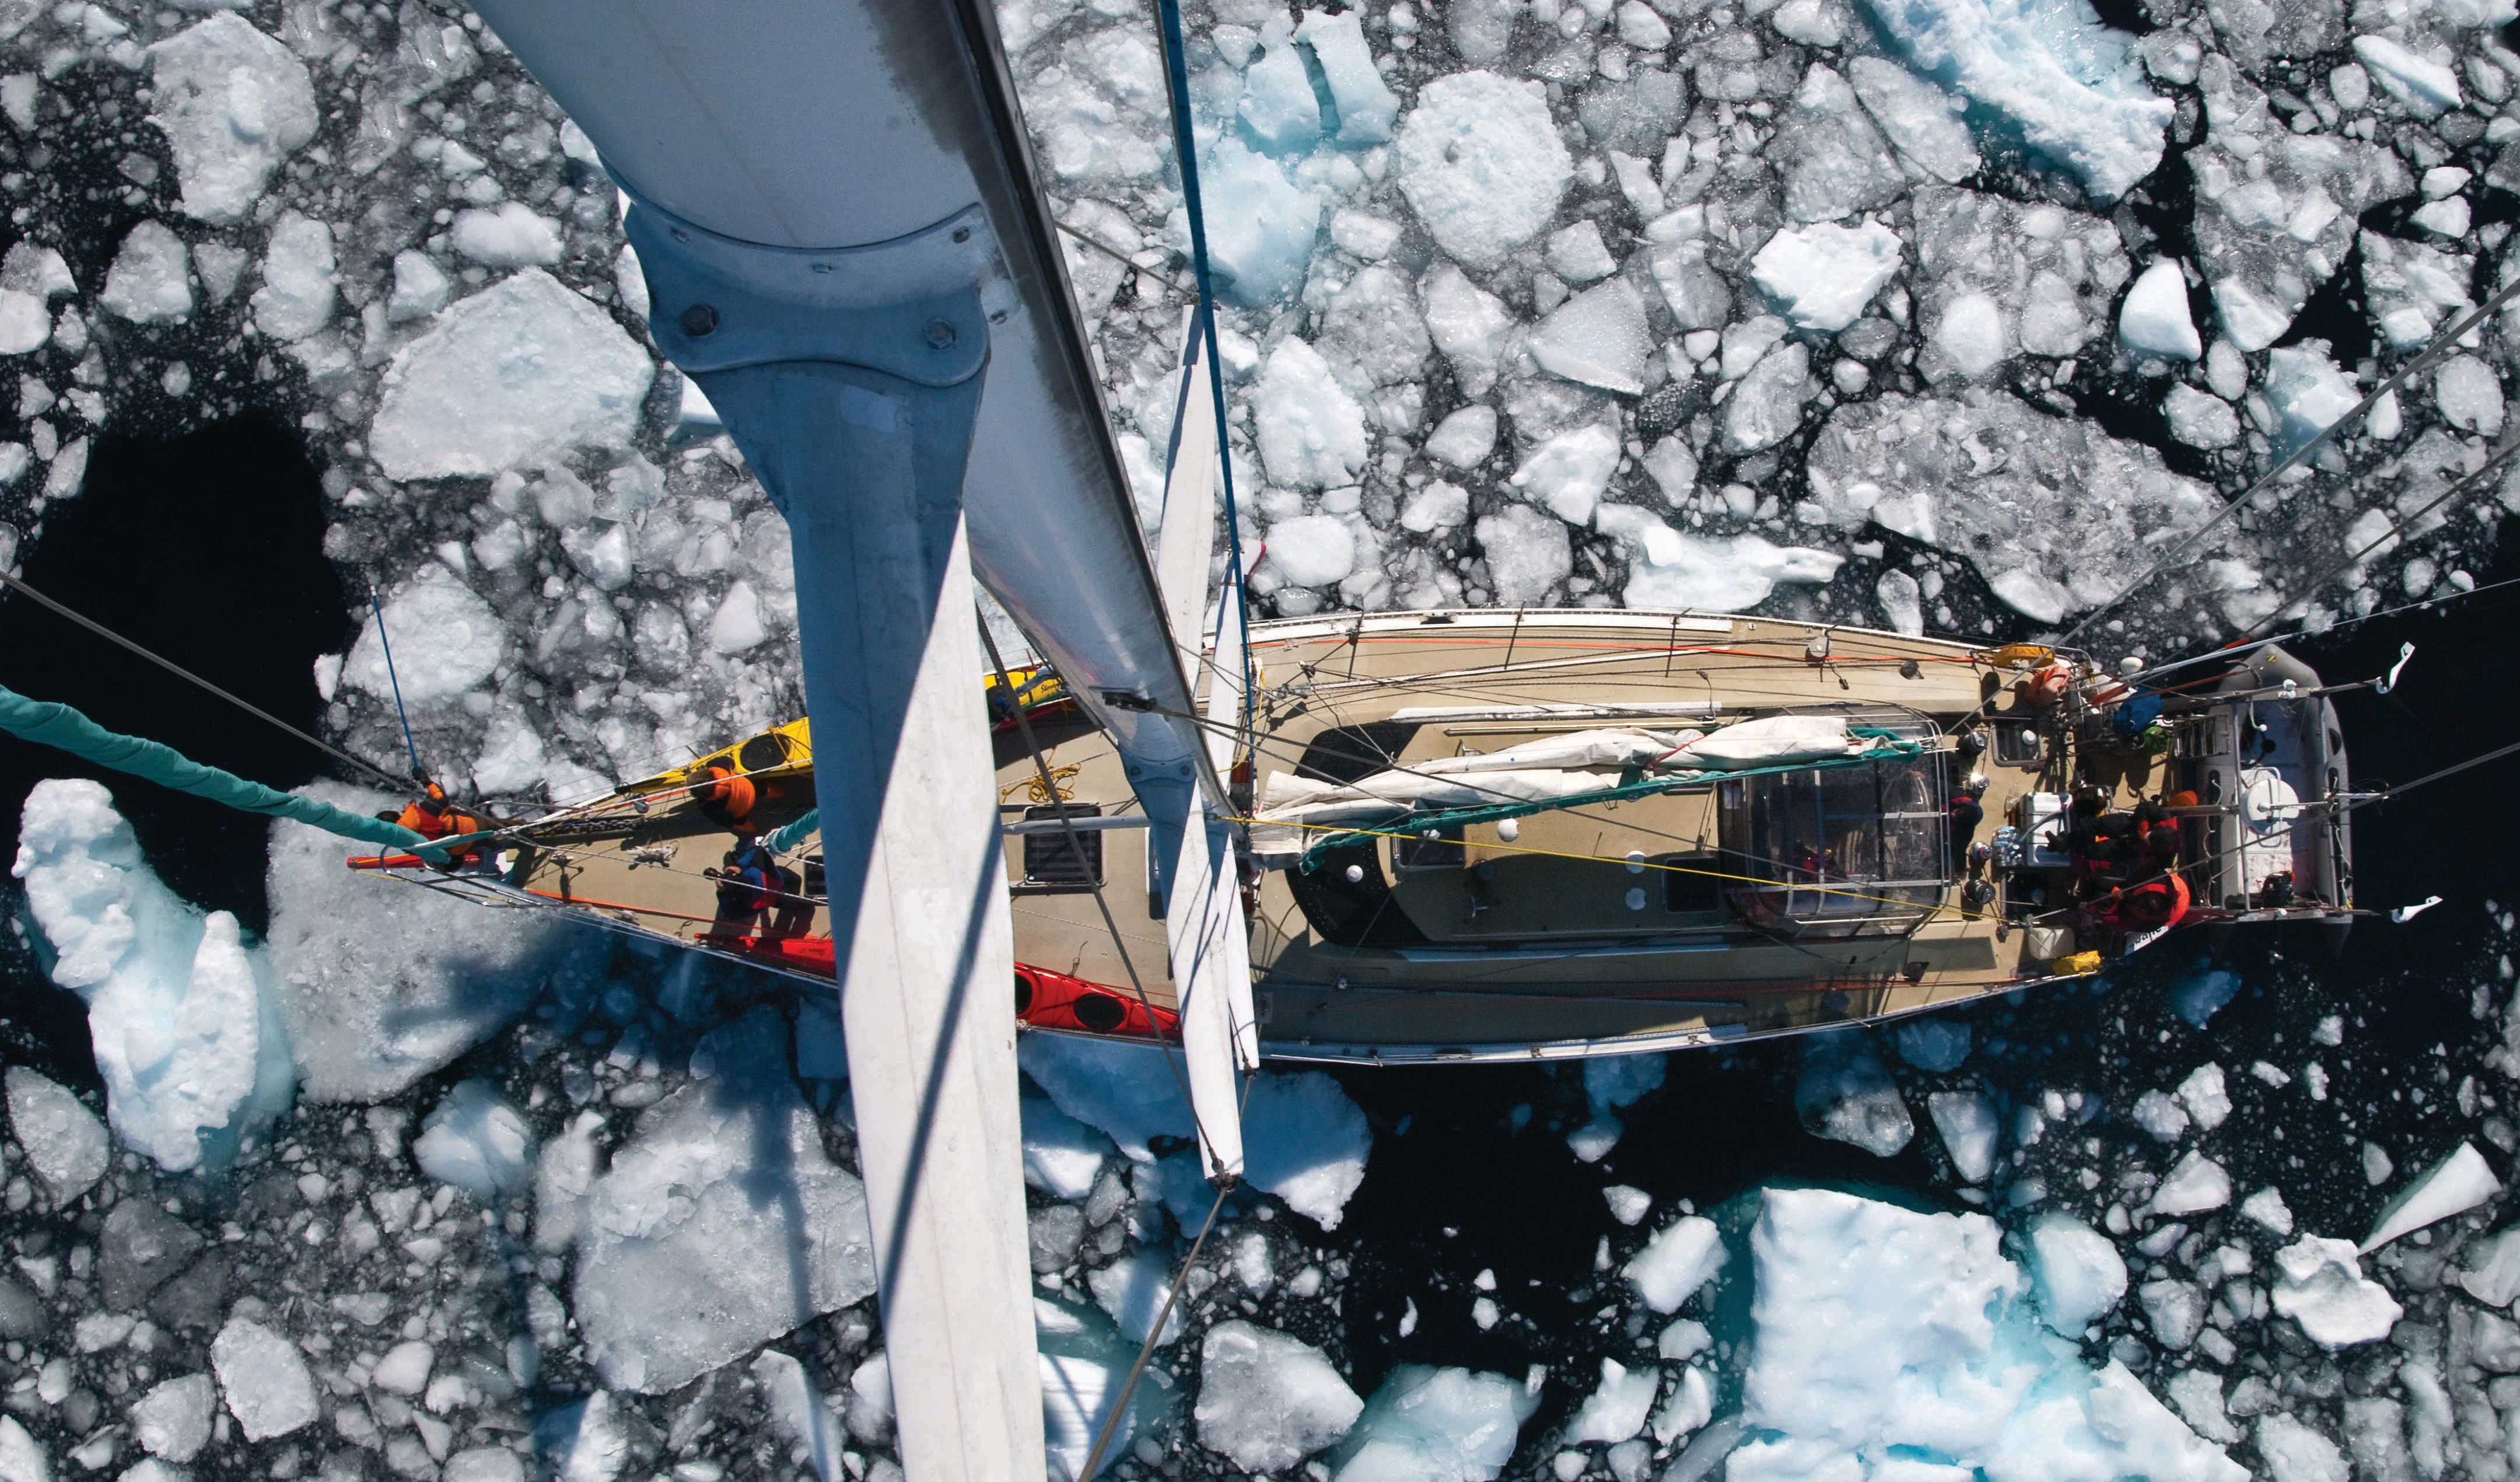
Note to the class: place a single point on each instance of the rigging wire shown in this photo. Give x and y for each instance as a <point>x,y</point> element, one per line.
<point>417,770</point>
<point>1155,1336</point>
<point>398,784</point>
<point>2440,346</point>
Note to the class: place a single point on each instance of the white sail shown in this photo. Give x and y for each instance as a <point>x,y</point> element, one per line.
<point>1203,926</point>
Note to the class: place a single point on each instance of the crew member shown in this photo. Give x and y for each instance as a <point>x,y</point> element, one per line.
<point>433,816</point>
<point>726,797</point>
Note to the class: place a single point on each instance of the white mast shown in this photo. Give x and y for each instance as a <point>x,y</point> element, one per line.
<point>835,206</point>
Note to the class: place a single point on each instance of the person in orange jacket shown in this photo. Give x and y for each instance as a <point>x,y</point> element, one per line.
<point>726,797</point>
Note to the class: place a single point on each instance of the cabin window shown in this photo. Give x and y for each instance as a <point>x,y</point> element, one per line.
<point>1852,851</point>
<point>1051,862</point>
<point>1688,892</point>
<point>1415,852</point>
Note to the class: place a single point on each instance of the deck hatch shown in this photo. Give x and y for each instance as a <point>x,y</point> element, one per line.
<point>1051,862</point>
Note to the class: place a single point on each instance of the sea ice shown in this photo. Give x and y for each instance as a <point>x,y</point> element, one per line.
<point>2155,320</point>
<point>1365,105</point>
<point>1122,1088</point>
<point>2307,392</point>
<point>1598,337</point>
<point>1682,1257</point>
<point>1268,1401</point>
<point>1528,553</point>
<point>1672,569</point>
<point>151,281</point>
<point>1480,160</point>
<point>2159,1114</point>
<point>2175,1310</point>
<point>2469,395</point>
<point>265,1379</point>
<point>1278,105</point>
<point>64,1142</point>
<point>1846,1095</point>
<point>1884,1331</point>
<point>1260,226</point>
<point>1565,474</point>
<point>1690,1405</point>
<point>1833,161</point>
<point>2079,1273</point>
<point>1305,1141</point>
<point>2193,1186</point>
<point>233,103</point>
<point>1468,324</point>
<point>2491,1272</point>
<point>1464,439</point>
<point>444,640</point>
<point>380,987</point>
<point>23,1459</point>
<point>1311,550</point>
<point>1932,1044</point>
<point>1628,1204</point>
<point>522,371</point>
<point>2427,88</point>
<point>298,283</point>
<point>724,1196</point>
<point>2200,420</point>
<point>2053,73</point>
<point>1062,1156</point>
<point>1767,405</point>
<point>172,1421</point>
<point>2449,1188</point>
<point>2319,1284</point>
<point>800,1413</point>
<point>31,277</point>
<point>1923,120</point>
<point>1436,1425</point>
<point>1132,1289</point>
<point>189,1042</point>
<point>1966,1122</point>
<point>421,288</point>
<point>589,1441</point>
<point>475,1140</point>
<point>2198,997</point>
<point>2294,1452</point>
<point>1617,1407</point>
<point>1310,432</point>
<point>2266,1209</point>
<point>1822,276</point>
<point>508,235</point>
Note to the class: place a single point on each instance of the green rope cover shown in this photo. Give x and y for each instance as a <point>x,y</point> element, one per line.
<point>57,725</point>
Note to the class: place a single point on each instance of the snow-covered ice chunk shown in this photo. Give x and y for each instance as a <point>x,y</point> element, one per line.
<point>2193,1186</point>
<point>1310,432</point>
<point>476,1141</point>
<point>1597,337</point>
<point>1268,1401</point>
<point>1062,1158</point>
<point>508,235</point>
<point>188,1041</point>
<point>2175,1310</point>
<point>1922,119</point>
<point>1464,439</point>
<point>1480,160</point>
<point>2469,395</point>
<point>1305,1141</point>
<point>298,286</point>
<point>172,1421</point>
<point>2293,1451</point>
<point>1279,105</point>
<point>1437,506</point>
<point>444,642</point>
<point>21,1455</point>
<point>1902,602</point>
<point>1881,1329</point>
<point>2200,420</point>
<point>1682,1257</point>
<point>265,1379</point>
<point>1845,1094</point>
<point>1628,1203</point>
<point>64,1142</point>
<point>724,1197</point>
<point>1617,1407</point>
<point>2201,995</point>
<point>2054,74</point>
<point>2491,1272</point>
<point>1468,324</point>
<point>1527,553</point>
<point>1820,277</point>
<point>1690,1405</point>
<point>404,1369</point>
<point>379,988</point>
<point>31,277</point>
<point>1365,105</point>
<point>2449,1188</point>
<point>1966,1123</point>
<point>151,281</point>
<point>1436,1425</point>
<point>1767,405</point>
<point>798,1410</point>
<point>522,371</point>
<point>1260,227</point>
<point>421,288</point>
<point>233,103</point>
<point>1132,1289</point>
<point>2319,1284</point>
<point>1673,568</point>
<point>1565,474</point>
<point>1971,333</point>
<point>1311,550</point>
<point>1578,254</point>
<point>2265,1208</point>
<point>2078,1274</point>
<point>1122,1088</point>
<point>586,1442</point>
<point>2307,392</point>
<point>1833,161</point>
<point>2426,87</point>
<point>2154,320</point>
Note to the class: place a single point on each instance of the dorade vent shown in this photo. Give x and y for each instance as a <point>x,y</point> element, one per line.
<point>1051,862</point>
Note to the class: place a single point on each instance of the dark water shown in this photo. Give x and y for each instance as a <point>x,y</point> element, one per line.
<point>206,549</point>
